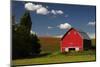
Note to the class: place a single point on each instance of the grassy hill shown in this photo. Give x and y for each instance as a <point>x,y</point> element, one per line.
<point>52,44</point>
<point>49,44</point>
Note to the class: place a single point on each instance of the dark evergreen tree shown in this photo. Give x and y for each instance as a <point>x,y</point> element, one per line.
<point>36,45</point>
<point>25,43</point>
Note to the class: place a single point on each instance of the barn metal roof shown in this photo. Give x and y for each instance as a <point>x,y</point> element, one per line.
<point>84,35</point>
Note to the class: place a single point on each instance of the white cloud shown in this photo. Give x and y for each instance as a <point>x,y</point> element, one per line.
<point>59,12</point>
<point>64,26</point>
<point>61,26</point>
<point>40,9</point>
<point>58,36</point>
<point>49,27</point>
<point>55,12</point>
<point>29,6</point>
<point>91,23</point>
<point>32,7</point>
<point>38,6</point>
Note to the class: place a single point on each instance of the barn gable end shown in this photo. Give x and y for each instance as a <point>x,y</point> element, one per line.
<point>81,41</point>
<point>66,33</point>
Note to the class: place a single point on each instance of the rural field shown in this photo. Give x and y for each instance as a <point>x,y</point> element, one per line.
<point>50,47</point>
<point>55,58</point>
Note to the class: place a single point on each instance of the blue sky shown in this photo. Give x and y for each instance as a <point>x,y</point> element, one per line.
<point>50,19</point>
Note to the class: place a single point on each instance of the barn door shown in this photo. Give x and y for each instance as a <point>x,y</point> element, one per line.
<point>71,49</point>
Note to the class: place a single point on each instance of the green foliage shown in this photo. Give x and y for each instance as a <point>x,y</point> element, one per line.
<point>24,43</point>
<point>26,21</point>
<point>36,45</point>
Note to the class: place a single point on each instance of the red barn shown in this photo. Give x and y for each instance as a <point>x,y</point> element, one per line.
<point>75,40</point>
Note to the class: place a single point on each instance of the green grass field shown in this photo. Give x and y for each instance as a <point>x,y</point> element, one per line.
<point>52,46</point>
<point>57,58</point>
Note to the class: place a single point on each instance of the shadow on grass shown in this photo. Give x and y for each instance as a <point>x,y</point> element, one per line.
<point>32,56</point>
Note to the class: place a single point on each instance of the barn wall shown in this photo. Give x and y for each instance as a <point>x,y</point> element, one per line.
<point>72,39</point>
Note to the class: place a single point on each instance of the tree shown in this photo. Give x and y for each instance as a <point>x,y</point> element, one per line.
<point>25,43</point>
<point>36,45</point>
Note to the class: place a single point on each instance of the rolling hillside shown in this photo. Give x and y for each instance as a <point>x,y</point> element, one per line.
<point>50,44</point>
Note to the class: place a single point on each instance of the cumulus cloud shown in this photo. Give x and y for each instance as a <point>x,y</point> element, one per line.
<point>59,12</point>
<point>55,12</point>
<point>91,23</point>
<point>64,26</point>
<point>43,11</point>
<point>40,9</point>
<point>61,26</point>
<point>30,6</point>
<point>38,6</point>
